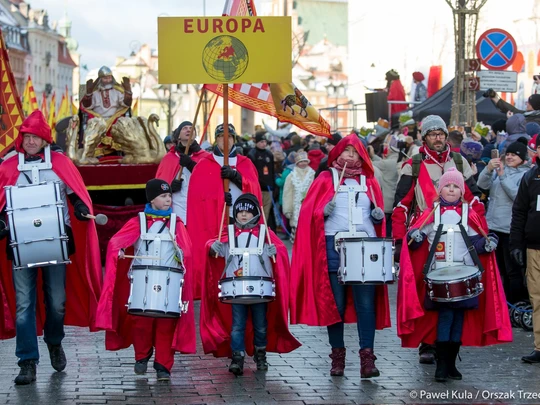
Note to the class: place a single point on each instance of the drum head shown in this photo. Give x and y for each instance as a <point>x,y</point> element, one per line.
<point>452,273</point>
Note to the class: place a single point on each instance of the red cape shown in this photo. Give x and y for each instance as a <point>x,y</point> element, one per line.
<point>170,164</point>
<point>216,317</point>
<point>487,325</point>
<point>397,93</point>
<point>312,300</point>
<point>112,314</point>
<point>206,200</point>
<point>84,274</point>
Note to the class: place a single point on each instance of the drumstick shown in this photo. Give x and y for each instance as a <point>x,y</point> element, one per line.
<point>340,178</point>
<point>373,196</point>
<point>267,231</point>
<point>425,220</point>
<point>221,225</point>
<point>101,219</point>
<point>142,257</point>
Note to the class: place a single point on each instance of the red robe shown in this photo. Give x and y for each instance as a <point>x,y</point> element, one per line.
<point>487,325</point>
<point>206,200</point>
<point>112,314</point>
<point>396,92</point>
<point>83,275</point>
<point>312,300</point>
<point>170,166</point>
<point>216,317</point>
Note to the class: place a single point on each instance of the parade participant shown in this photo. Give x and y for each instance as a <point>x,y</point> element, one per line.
<point>223,326</point>
<point>176,160</point>
<point>72,291</point>
<point>450,324</point>
<point>317,299</point>
<point>164,335</point>
<point>396,92</point>
<point>105,98</point>
<point>207,197</point>
<point>168,143</point>
<point>295,189</point>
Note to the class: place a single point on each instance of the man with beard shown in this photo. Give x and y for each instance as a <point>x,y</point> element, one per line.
<point>105,98</point>
<point>416,189</point>
<point>175,161</point>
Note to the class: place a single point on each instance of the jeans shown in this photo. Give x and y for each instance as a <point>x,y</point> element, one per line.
<point>54,290</point>
<point>364,304</point>
<point>450,324</point>
<point>239,320</point>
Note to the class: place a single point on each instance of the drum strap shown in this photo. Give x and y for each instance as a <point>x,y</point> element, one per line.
<point>433,248</point>
<point>472,250</point>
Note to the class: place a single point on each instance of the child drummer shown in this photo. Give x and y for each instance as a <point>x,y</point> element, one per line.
<point>473,320</point>
<point>223,336</point>
<point>165,335</point>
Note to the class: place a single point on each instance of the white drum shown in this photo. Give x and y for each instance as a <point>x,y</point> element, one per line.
<point>156,291</point>
<point>246,290</point>
<point>365,260</point>
<point>36,222</point>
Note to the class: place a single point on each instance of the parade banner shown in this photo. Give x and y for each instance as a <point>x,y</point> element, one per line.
<point>224,50</point>
<point>11,113</point>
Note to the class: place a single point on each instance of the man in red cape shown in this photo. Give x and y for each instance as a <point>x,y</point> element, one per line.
<point>112,314</point>
<point>176,160</point>
<point>216,317</point>
<point>487,325</point>
<point>83,275</point>
<point>206,197</point>
<point>312,299</point>
<point>396,92</point>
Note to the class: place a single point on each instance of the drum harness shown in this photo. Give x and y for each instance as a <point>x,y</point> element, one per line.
<point>449,228</point>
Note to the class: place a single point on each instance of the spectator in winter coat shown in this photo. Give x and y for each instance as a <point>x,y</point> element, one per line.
<point>516,128</point>
<point>533,107</point>
<point>315,155</point>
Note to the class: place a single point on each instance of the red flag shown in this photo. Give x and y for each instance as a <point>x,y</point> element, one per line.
<point>11,112</point>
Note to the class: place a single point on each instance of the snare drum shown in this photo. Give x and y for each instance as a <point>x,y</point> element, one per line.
<point>365,260</point>
<point>454,283</point>
<point>36,222</point>
<point>156,291</point>
<point>246,290</point>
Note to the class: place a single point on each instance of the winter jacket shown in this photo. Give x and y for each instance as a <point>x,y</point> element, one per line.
<point>315,156</point>
<point>280,181</point>
<point>502,193</point>
<point>294,191</point>
<point>515,126</point>
<point>525,227</point>
<point>389,178</point>
<point>530,116</point>
<point>263,160</point>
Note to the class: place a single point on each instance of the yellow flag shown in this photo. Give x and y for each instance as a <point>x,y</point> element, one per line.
<point>52,115</point>
<point>64,110</point>
<point>25,101</point>
<point>29,98</point>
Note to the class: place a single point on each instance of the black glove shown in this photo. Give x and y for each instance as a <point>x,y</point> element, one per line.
<point>517,255</point>
<point>397,251</point>
<point>228,199</point>
<point>187,162</point>
<point>4,229</point>
<point>227,172</point>
<point>80,209</point>
<point>176,185</point>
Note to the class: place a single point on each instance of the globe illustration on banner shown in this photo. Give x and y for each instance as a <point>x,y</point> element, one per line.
<point>225,58</point>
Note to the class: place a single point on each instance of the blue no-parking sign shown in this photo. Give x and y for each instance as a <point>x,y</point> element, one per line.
<point>496,49</point>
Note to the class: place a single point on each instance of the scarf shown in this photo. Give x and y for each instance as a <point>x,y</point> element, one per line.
<point>218,152</point>
<point>445,203</point>
<point>352,169</point>
<point>193,148</point>
<point>149,211</point>
<point>436,157</point>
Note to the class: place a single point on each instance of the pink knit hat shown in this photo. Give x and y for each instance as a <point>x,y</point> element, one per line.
<point>452,176</point>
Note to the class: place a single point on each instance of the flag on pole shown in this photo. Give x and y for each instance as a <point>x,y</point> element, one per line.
<point>44,109</point>
<point>29,98</point>
<point>11,112</point>
<point>52,115</point>
<point>135,109</point>
<point>65,109</point>
<point>281,100</point>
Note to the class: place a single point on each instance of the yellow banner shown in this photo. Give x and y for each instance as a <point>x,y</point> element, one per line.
<point>224,50</point>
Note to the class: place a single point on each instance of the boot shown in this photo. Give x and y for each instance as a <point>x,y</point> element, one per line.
<point>338,361</point>
<point>27,373</point>
<point>161,372</point>
<point>237,363</point>
<point>58,357</point>
<point>453,351</point>
<point>426,354</point>
<point>441,373</point>
<point>367,363</point>
<point>259,357</point>
<point>142,365</point>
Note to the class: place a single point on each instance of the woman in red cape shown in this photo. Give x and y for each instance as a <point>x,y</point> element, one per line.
<point>84,274</point>
<point>487,325</point>
<point>216,317</point>
<point>112,314</point>
<point>312,297</point>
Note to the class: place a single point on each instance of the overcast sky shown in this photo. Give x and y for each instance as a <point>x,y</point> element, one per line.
<point>106,29</point>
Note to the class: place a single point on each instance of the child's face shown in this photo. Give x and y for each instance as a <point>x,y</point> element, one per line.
<point>244,216</point>
<point>451,193</point>
<point>162,202</point>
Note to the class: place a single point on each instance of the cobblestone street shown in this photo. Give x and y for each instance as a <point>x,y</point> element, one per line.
<point>95,376</point>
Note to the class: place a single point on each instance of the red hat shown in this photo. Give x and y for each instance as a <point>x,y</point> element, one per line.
<point>418,76</point>
<point>34,124</point>
<point>532,143</point>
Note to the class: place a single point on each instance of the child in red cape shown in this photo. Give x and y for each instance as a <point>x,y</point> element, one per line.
<point>166,335</point>
<point>478,321</point>
<point>223,326</point>
<point>317,299</point>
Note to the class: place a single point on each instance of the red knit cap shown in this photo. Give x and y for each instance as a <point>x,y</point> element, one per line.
<point>34,124</point>
<point>452,176</point>
<point>418,76</point>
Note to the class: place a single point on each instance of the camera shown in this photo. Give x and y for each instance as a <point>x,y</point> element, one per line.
<point>489,93</point>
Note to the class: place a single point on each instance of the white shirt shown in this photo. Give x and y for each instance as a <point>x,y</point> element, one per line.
<point>180,197</point>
